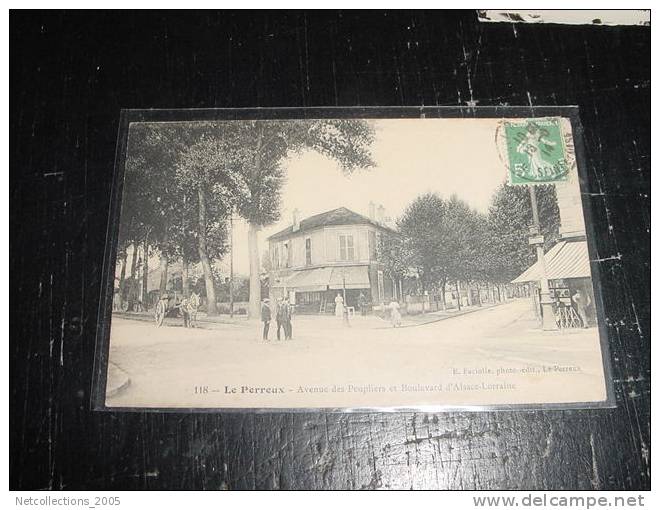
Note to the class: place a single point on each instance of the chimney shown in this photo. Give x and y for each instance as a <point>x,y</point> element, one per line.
<point>372,211</point>
<point>296,220</point>
<point>380,214</point>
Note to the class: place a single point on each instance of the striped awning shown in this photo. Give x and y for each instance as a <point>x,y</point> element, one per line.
<point>566,259</point>
<point>350,277</point>
<point>324,278</point>
<point>307,280</point>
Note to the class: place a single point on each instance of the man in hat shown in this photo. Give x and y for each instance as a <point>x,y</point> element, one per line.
<point>288,327</point>
<point>280,317</point>
<point>265,317</point>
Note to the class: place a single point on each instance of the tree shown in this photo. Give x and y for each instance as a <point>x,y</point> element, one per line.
<point>172,172</point>
<point>422,227</point>
<point>258,150</point>
<point>207,169</point>
<point>393,255</point>
<point>442,239</point>
<point>151,198</point>
<point>204,169</point>
<point>509,219</point>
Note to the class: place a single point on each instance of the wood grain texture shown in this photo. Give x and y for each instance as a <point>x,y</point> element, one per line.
<point>70,75</point>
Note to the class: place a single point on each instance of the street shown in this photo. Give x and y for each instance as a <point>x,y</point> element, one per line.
<point>491,356</point>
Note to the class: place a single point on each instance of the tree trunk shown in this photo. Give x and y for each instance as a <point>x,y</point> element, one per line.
<point>133,288</point>
<point>254,305</point>
<point>211,305</point>
<point>185,280</point>
<point>122,279</point>
<point>458,294</point>
<point>469,293</point>
<point>255,282</point>
<point>163,273</point>
<point>145,274</point>
<point>443,290</point>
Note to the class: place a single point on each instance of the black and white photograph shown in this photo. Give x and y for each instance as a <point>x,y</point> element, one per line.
<point>352,263</point>
<point>329,248</point>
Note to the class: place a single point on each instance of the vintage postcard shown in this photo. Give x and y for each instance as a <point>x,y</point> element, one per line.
<point>351,263</point>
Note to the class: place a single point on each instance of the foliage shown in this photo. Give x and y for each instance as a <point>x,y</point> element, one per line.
<point>423,234</point>
<point>447,241</point>
<point>509,219</point>
<point>393,255</point>
<point>182,180</point>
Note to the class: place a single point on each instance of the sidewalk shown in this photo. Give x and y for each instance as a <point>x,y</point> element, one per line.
<point>117,381</point>
<point>439,315</point>
<point>201,317</point>
<point>329,320</point>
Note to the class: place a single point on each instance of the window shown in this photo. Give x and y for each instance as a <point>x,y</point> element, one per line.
<point>308,298</point>
<point>346,249</point>
<point>287,255</point>
<point>373,247</point>
<point>308,251</point>
<point>276,257</point>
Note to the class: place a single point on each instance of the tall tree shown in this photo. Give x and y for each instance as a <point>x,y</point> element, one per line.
<point>465,235</point>
<point>206,168</point>
<point>393,255</point>
<point>423,231</point>
<point>509,219</point>
<point>259,149</point>
<point>150,198</point>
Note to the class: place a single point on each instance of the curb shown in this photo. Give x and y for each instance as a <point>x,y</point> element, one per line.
<point>459,314</point>
<point>125,381</point>
<point>150,318</point>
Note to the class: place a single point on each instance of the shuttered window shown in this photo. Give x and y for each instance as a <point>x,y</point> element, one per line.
<point>346,247</point>
<point>308,251</point>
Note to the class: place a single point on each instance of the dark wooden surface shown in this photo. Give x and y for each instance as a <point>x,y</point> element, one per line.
<point>70,75</point>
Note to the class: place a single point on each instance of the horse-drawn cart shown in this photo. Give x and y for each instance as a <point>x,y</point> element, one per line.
<point>170,306</point>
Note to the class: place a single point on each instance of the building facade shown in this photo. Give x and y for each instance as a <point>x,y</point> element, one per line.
<point>335,252</point>
<point>567,265</point>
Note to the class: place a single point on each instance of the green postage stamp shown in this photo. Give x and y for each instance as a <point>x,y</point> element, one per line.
<point>536,151</point>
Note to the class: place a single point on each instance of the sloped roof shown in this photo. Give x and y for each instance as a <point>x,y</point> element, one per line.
<point>566,259</point>
<point>339,216</point>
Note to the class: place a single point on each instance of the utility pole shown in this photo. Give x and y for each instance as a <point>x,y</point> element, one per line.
<point>343,274</point>
<point>536,239</point>
<point>231,263</point>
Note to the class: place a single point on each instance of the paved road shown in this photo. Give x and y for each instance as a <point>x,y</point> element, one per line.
<point>497,346</point>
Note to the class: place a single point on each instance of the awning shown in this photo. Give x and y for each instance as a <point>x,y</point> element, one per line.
<point>324,278</point>
<point>350,277</point>
<point>307,280</point>
<point>566,259</point>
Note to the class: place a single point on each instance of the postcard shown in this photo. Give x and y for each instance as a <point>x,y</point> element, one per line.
<point>342,262</point>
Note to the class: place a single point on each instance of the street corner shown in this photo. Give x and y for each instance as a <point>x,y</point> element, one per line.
<point>118,381</point>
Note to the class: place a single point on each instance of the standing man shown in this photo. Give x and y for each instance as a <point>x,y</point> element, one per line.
<point>288,312</point>
<point>581,302</point>
<point>280,313</point>
<point>362,303</point>
<point>265,317</point>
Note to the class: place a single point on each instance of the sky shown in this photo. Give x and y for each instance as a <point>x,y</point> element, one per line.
<point>412,156</point>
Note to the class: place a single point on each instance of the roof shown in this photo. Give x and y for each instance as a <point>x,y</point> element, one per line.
<point>339,216</point>
<point>566,259</point>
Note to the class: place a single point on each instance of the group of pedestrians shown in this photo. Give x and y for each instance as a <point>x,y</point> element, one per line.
<point>283,313</point>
